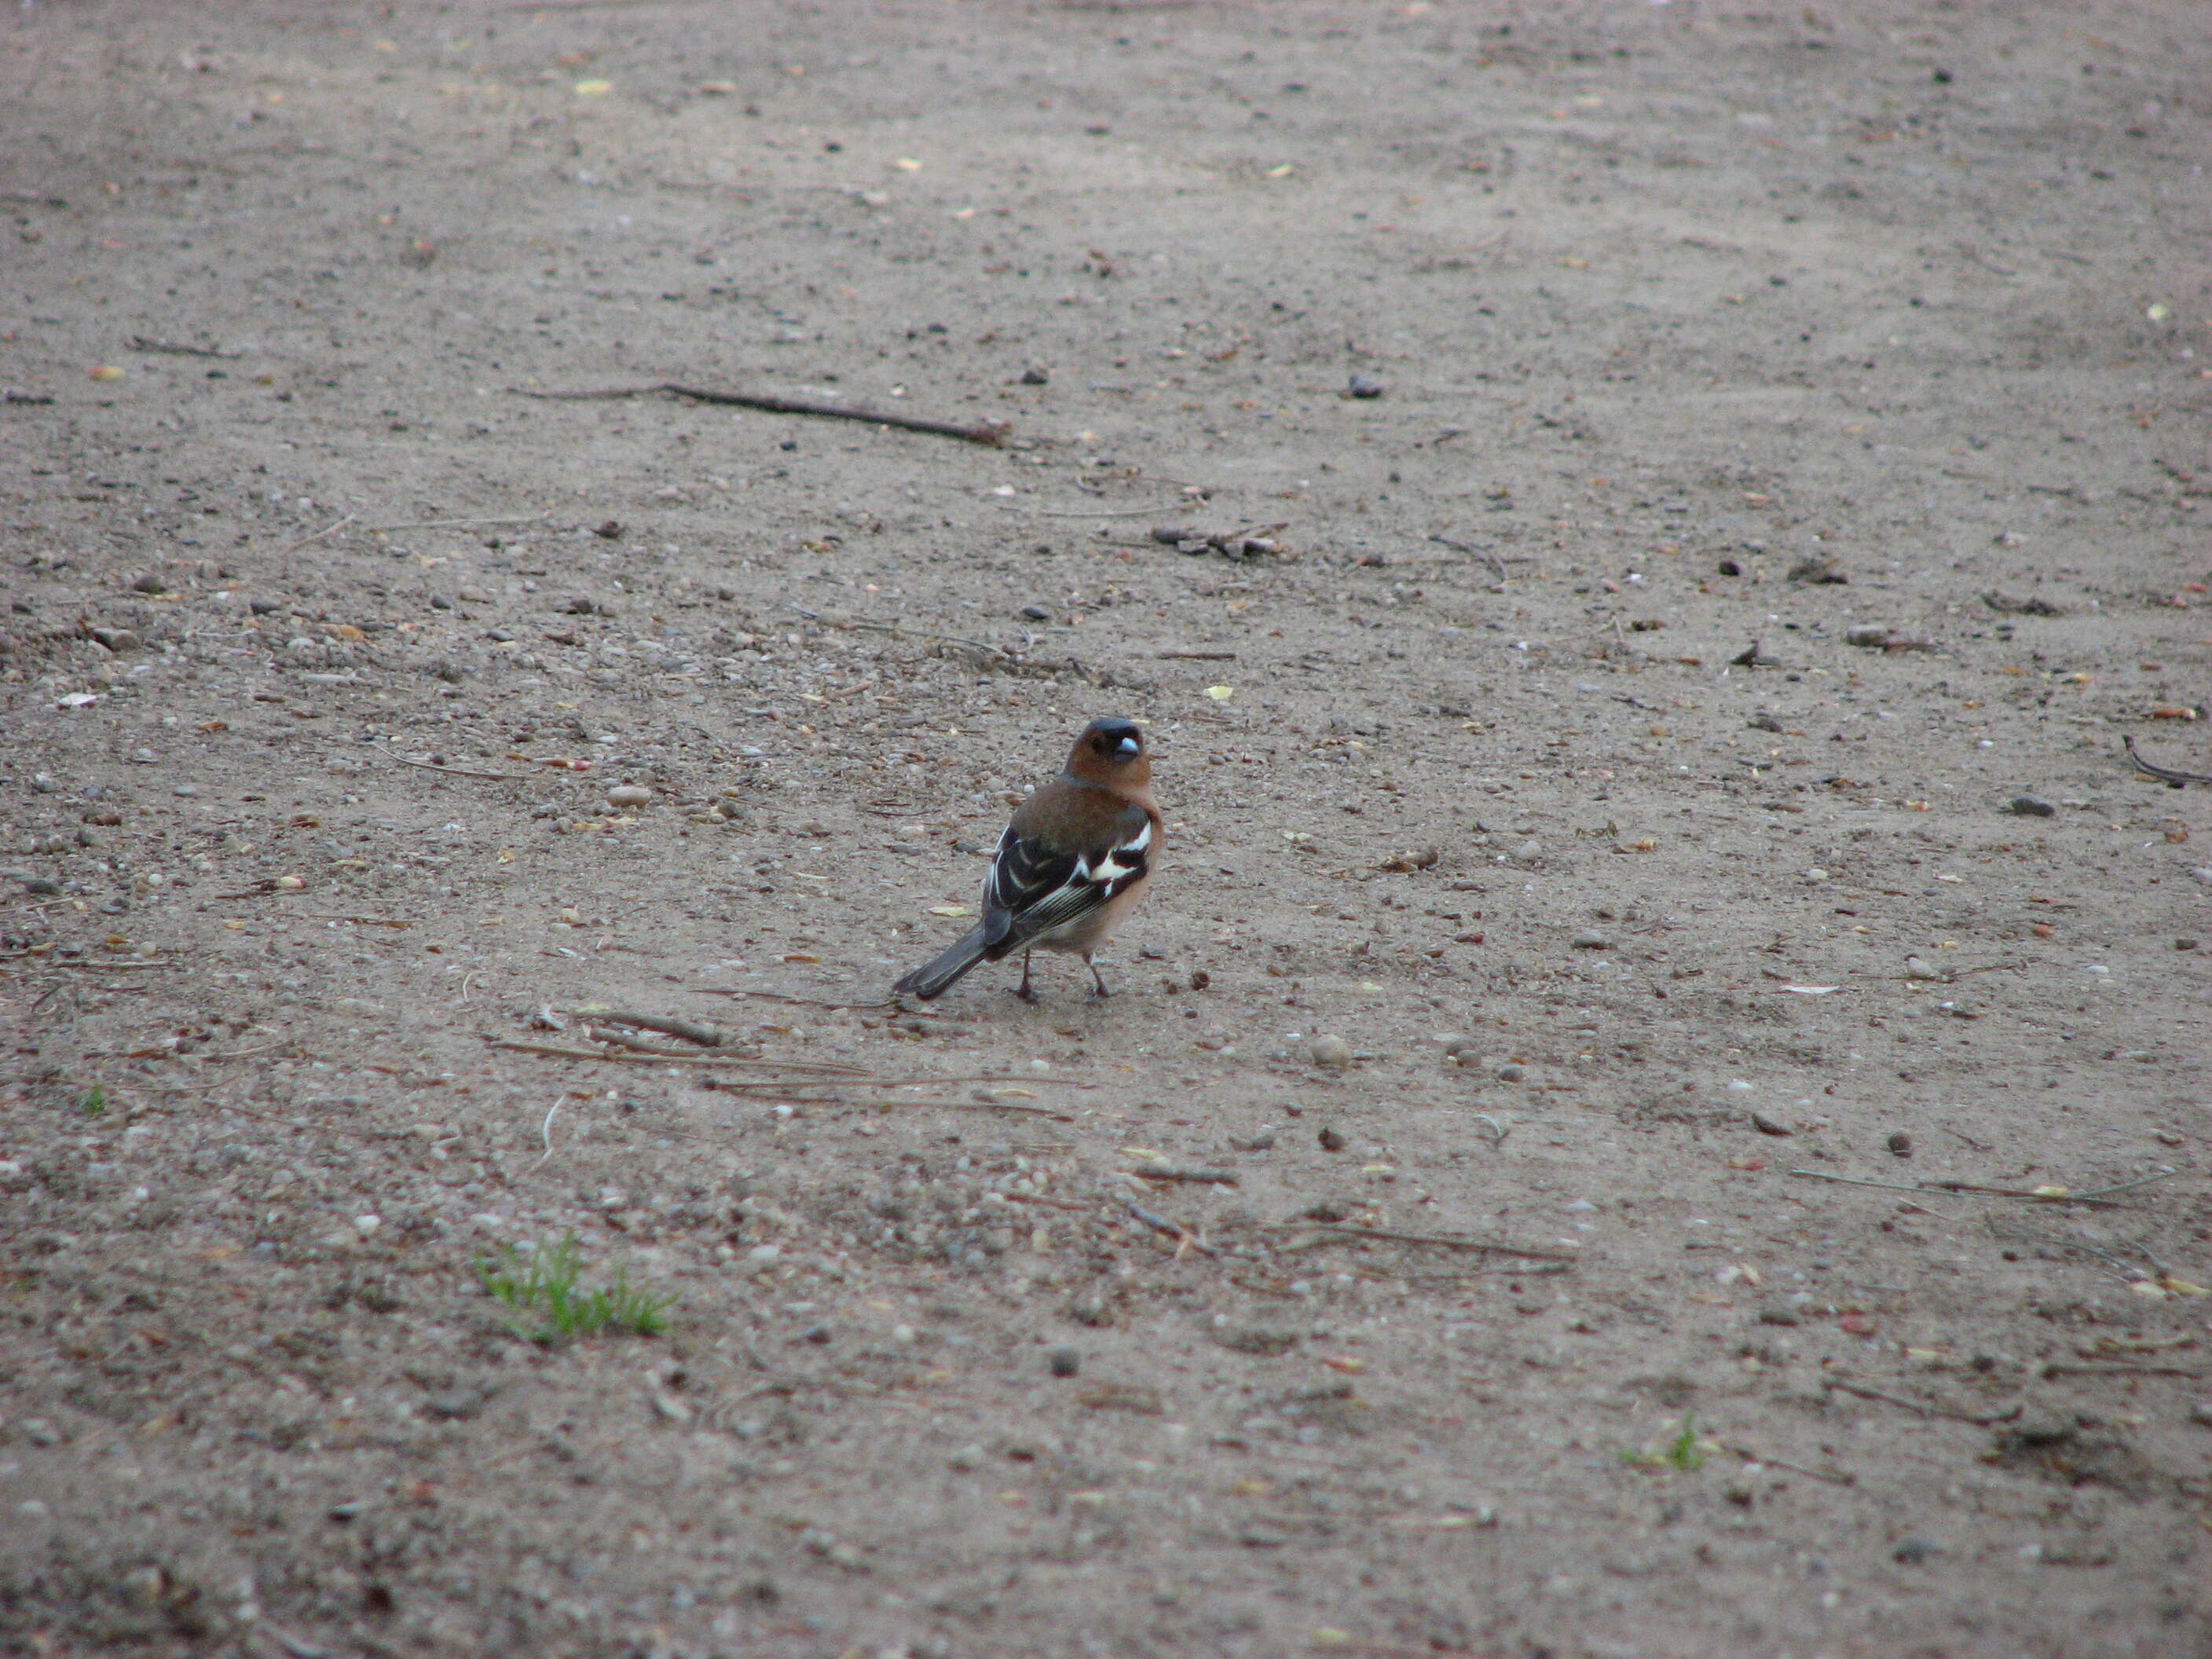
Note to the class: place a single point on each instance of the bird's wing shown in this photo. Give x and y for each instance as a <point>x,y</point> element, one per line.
<point>1034,888</point>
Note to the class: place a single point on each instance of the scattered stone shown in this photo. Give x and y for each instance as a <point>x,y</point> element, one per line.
<point>1767,1126</point>
<point>1331,1140</point>
<point>1065,1362</point>
<point>1034,375</point>
<point>453,1405</point>
<point>1867,636</point>
<point>1912,1549</point>
<point>629,794</point>
<point>1529,851</point>
<point>2032,806</point>
<point>1331,1054</point>
<point>1729,568</point>
<point>1818,570</point>
<point>1778,1313</point>
<point>2005,604</point>
<point>1589,939</point>
<point>1900,1145</point>
<point>1764,722</point>
<point>119,639</point>
<point>2184,943</point>
<point>2200,1413</point>
<point>1511,1072</point>
<point>1365,385</point>
<point>1034,613</point>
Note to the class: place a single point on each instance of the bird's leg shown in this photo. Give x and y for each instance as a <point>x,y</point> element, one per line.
<point>1025,991</point>
<point>1096,979</point>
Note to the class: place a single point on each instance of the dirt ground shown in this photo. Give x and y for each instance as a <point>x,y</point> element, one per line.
<point>1678,476</point>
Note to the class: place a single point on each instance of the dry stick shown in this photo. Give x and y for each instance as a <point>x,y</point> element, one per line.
<point>870,627</point>
<point>1195,656</point>
<point>1109,513</point>
<point>460,524</point>
<point>2059,1368</point>
<point>1182,1235</point>
<point>1443,1239</point>
<point>2099,1196</point>
<point>552,1053</point>
<point>990,433</point>
<point>1835,1477</point>
<point>318,535</point>
<point>705,1036</point>
<point>450,771</point>
<point>2163,775</point>
<point>1178,1172</point>
<point>779,996</point>
<point>595,1034</point>
<point>1981,1420</point>
<point>140,343</point>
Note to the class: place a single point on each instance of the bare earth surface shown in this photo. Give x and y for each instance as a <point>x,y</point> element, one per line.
<point>1590,764</point>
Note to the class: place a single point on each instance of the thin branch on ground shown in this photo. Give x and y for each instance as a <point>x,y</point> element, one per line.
<point>991,434</point>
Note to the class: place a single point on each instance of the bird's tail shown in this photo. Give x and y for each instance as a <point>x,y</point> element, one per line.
<point>935,978</point>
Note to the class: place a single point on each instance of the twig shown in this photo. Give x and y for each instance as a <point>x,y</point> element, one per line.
<point>140,343</point>
<point>2167,776</point>
<point>991,434</point>
<point>1109,513</point>
<point>1444,1240</point>
<point>868,626</point>
<point>1179,1172</point>
<point>2099,1196</point>
<point>365,921</point>
<point>2059,1368</point>
<point>798,1002</point>
<point>1834,1477</point>
<point>459,524</point>
<point>1495,564</point>
<point>545,1129</point>
<point>1195,656</point>
<point>690,1030</point>
<point>1982,1419</point>
<point>852,1073</point>
<point>623,1040</point>
<point>1185,1239</point>
<point>326,530</point>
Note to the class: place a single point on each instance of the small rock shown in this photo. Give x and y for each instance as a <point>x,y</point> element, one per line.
<point>1767,1126</point>
<point>1729,568</point>
<point>119,639</point>
<point>1818,570</point>
<point>1034,613</point>
<point>1813,877</point>
<point>1033,375</point>
<point>1900,1145</point>
<point>2184,943</point>
<point>45,886</point>
<point>2200,1413</point>
<point>1867,636</point>
<point>1365,385</point>
<point>1331,1054</point>
<point>1778,1313</point>
<point>1912,1549</point>
<point>1764,722</point>
<point>1590,939</point>
<point>629,794</point>
<point>1065,1362</point>
<point>2032,806</point>
<point>1168,535</point>
<point>1529,851</point>
<point>967,1458</point>
<point>1512,1072</point>
<point>143,1586</point>
<point>455,1404</point>
<point>1331,1140</point>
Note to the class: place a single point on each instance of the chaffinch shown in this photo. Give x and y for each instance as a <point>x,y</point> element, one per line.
<point>1070,865</point>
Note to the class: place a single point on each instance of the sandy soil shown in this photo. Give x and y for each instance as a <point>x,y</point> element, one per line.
<point>1594,830</point>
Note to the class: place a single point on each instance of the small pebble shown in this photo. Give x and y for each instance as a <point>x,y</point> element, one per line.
<point>1767,1126</point>
<point>1331,1054</point>
<point>2200,1413</point>
<point>1529,851</point>
<point>1510,1073</point>
<point>2185,944</point>
<point>1900,1144</point>
<point>2032,806</point>
<point>1066,1362</point>
<point>1867,637</point>
<point>1034,375</point>
<point>1035,613</point>
<point>1331,1140</point>
<point>629,794</point>
<point>1365,385</point>
<point>455,1405</point>
<point>1815,877</point>
<point>1590,939</point>
<point>1912,1549</point>
<point>1764,723</point>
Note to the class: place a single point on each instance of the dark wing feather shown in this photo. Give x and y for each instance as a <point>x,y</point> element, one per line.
<point>1035,889</point>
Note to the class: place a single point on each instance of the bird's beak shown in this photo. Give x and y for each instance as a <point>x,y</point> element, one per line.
<point>1128,746</point>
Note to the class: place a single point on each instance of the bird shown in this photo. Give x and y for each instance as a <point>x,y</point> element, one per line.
<point>1070,868</point>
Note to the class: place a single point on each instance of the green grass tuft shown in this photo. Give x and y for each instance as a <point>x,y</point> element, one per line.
<point>1684,1452</point>
<point>543,1288</point>
<point>92,1102</point>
